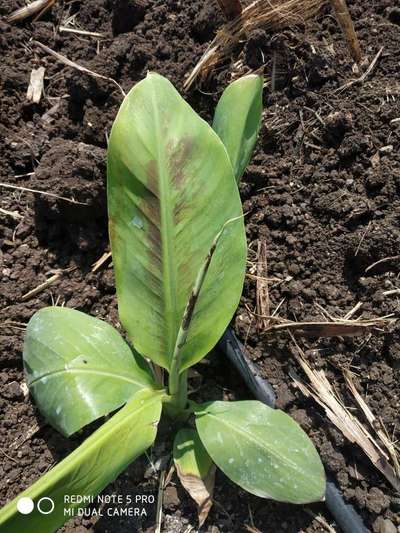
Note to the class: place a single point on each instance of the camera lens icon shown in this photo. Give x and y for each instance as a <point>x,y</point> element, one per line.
<point>45,505</point>
<point>25,505</point>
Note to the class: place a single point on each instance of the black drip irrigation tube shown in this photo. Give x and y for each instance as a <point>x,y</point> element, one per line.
<point>344,514</point>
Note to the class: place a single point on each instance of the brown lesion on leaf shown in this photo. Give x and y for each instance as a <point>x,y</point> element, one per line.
<point>152,177</point>
<point>179,155</point>
<point>149,206</point>
<point>189,310</point>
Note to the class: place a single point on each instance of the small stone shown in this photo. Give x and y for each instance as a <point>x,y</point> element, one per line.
<point>386,149</point>
<point>25,389</point>
<point>294,269</point>
<point>13,391</point>
<point>284,396</point>
<point>171,499</point>
<point>301,417</point>
<point>376,501</point>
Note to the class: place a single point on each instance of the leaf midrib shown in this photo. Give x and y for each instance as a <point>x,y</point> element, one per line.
<point>169,273</point>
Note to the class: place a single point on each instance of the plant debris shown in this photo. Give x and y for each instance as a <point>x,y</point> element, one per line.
<point>352,428</point>
<point>35,88</point>
<point>76,66</point>
<point>272,15</point>
<point>38,7</point>
<point>345,22</point>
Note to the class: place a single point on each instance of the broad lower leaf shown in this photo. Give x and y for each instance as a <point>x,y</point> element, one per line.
<point>263,450</point>
<point>195,470</point>
<point>170,191</point>
<point>78,367</point>
<point>89,469</point>
<point>237,120</point>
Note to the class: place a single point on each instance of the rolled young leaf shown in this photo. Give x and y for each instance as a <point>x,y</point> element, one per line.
<point>170,191</point>
<point>237,120</point>
<point>78,368</point>
<point>262,450</point>
<point>195,470</point>
<point>88,469</point>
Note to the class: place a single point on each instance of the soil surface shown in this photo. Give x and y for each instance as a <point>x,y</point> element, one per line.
<point>322,191</point>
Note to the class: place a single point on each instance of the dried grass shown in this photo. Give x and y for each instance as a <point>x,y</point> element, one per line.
<point>334,328</point>
<point>38,8</point>
<point>262,295</point>
<point>77,66</point>
<point>345,22</point>
<point>50,281</point>
<point>266,14</point>
<point>378,448</point>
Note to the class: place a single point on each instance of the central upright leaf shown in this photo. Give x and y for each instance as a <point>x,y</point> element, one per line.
<point>171,189</point>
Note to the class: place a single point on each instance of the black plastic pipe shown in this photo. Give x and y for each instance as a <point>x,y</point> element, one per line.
<point>344,514</point>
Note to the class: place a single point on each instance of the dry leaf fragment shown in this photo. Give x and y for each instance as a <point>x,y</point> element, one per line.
<point>36,83</point>
<point>375,160</point>
<point>201,490</point>
<point>195,470</point>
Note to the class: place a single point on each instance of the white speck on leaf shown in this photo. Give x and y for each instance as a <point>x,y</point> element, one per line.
<point>137,222</point>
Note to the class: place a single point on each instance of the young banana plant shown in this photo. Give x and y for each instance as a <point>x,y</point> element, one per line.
<point>179,253</point>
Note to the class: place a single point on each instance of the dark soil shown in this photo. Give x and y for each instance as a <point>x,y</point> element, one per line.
<point>322,190</point>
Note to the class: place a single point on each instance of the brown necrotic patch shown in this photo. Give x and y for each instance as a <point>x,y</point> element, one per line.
<point>149,207</point>
<point>152,177</point>
<point>179,156</point>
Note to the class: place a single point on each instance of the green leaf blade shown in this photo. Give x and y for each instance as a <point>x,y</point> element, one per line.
<point>237,120</point>
<point>78,368</point>
<point>190,455</point>
<point>91,467</point>
<point>262,450</point>
<point>170,191</point>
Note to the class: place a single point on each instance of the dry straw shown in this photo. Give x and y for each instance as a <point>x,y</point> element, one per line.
<point>266,14</point>
<point>375,443</point>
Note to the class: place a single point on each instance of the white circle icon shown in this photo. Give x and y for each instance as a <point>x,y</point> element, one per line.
<point>25,505</point>
<point>48,507</point>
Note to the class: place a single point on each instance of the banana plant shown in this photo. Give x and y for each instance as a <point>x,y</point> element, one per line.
<point>179,253</point>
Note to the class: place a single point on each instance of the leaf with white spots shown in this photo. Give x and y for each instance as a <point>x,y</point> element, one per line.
<point>262,450</point>
<point>78,368</point>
